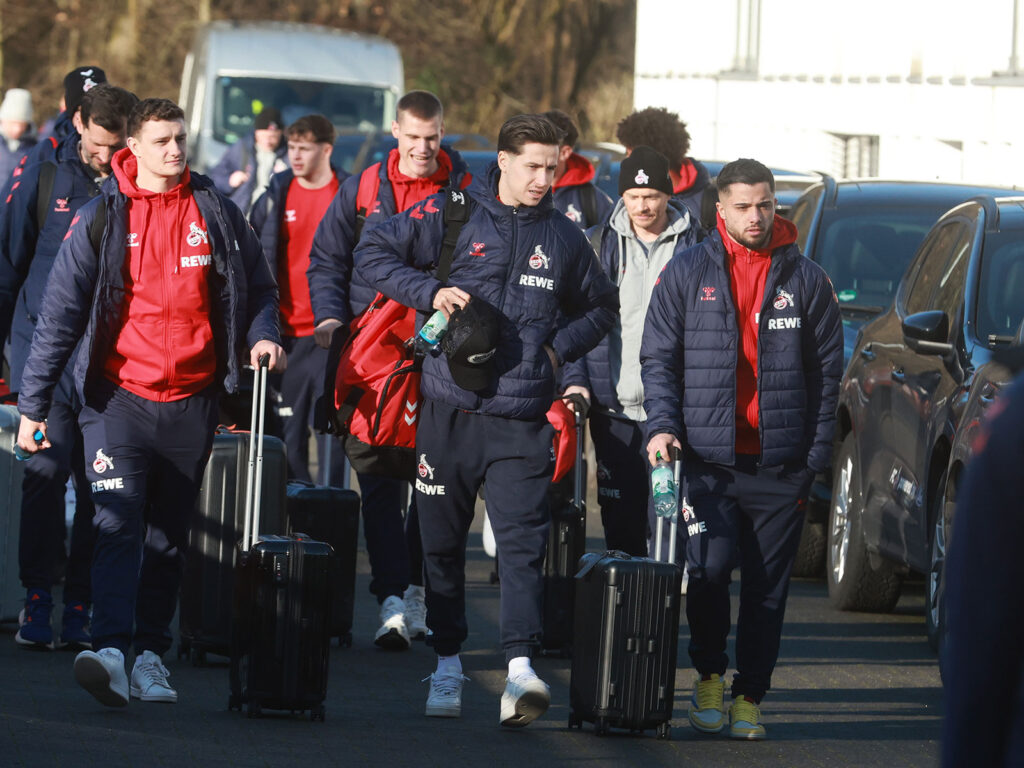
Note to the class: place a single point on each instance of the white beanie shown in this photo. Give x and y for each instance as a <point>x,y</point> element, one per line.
<point>17,105</point>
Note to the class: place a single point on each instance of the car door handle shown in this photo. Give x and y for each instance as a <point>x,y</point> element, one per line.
<point>868,354</point>
<point>899,375</point>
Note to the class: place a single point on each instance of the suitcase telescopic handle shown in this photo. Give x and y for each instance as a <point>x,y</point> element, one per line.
<point>577,467</point>
<point>254,478</point>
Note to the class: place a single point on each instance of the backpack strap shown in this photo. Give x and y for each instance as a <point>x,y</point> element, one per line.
<point>47,173</point>
<point>366,196</point>
<point>97,225</point>
<point>588,200</point>
<point>456,214</point>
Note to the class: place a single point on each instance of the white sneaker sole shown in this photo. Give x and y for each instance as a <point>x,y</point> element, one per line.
<point>168,697</point>
<point>417,632</point>
<point>443,710</point>
<point>524,710</point>
<point>93,675</point>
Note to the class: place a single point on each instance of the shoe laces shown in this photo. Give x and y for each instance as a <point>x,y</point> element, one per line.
<point>445,684</point>
<point>710,693</point>
<point>154,673</point>
<point>745,711</point>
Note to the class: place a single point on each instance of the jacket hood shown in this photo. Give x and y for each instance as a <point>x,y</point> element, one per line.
<point>578,170</point>
<point>126,170</point>
<point>678,219</point>
<point>484,189</point>
<point>693,174</point>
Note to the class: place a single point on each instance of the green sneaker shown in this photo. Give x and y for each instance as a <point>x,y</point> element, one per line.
<point>707,706</point>
<point>745,720</point>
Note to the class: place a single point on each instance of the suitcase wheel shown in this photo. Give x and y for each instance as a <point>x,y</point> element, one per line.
<point>665,731</point>
<point>197,657</point>
<point>574,721</point>
<point>234,702</point>
<point>345,640</point>
<point>601,726</point>
<point>317,714</point>
<point>183,648</point>
<point>253,708</point>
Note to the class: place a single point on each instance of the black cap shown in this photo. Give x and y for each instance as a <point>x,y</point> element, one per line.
<point>79,82</point>
<point>645,168</point>
<point>267,117</point>
<point>470,343</point>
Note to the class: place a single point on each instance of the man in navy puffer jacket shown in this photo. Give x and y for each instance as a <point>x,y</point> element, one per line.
<point>741,359</point>
<point>531,270</point>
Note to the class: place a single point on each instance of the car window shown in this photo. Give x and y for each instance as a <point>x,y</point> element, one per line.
<point>931,267</point>
<point>949,293</point>
<point>802,215</point>
<point>865,252</point>
<point>1000,303</point>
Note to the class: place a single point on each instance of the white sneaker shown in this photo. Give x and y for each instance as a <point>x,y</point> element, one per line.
<point>415,612</point>
<point>490,545</point>
<point>526,698</point>
<point>392,633</point>
<point>149,679</point>
<point>445,697</point>
<point>102,674</point>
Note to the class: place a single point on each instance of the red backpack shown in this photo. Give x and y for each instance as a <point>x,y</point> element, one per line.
<point>372,389</point>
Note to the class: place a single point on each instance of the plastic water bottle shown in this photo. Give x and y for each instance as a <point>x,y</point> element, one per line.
<point>663,486</point>
<point>429,336</point>
<point>21,454</point>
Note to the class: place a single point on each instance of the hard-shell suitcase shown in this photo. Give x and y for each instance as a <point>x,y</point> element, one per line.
<point>12,594</point>
<point>567,541</point>
<point>207,586</point>
<point>626,634</point>
<point>331,515</point>
<point>280,641</point>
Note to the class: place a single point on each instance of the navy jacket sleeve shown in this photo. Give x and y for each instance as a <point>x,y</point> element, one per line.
<point>262,307</point>
<point>19,232</point>
<point>395,254</point>
<point>230,162</point>
<point>823,365</point>
<point>63,317</point>
<point>661,352</point>
<point>591,309</point>
<point>330,259</point>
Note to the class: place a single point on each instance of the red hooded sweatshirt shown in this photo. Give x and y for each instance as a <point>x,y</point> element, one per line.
<point>748,273</point>
<point>409,190</point>
<point>578,170</point>
<point>164,349</point>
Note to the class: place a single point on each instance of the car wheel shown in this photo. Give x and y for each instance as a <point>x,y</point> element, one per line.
<point>810,555</point>
<point>942,515</point>
<point>853,584</point>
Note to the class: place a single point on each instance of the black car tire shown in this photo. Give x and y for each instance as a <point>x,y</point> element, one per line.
<point>853,585</point>
<point>934,609</point>
<point>810,555</point>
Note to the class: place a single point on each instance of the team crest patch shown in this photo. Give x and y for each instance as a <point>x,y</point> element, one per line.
<point>538,259</point>
<point>783,300</point>
<point>641,177</point>
<point>102,462</point>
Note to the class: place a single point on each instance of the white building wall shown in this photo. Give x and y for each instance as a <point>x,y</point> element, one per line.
<point>918,74</point>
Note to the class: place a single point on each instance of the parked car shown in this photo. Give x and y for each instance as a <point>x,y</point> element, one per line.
<point>903,403</point>
<point>863,233</point>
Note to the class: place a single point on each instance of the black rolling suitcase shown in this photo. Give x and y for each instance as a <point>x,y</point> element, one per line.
<point>626,634</point>
<point>567,541</point>
<point>331,515</point>
<point>207,585</point>
<point>280,640</point>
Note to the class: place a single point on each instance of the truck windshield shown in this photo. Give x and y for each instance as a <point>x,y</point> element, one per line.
<point>349,107</point>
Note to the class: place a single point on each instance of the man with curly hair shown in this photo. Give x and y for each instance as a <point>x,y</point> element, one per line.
<point>663,131</point>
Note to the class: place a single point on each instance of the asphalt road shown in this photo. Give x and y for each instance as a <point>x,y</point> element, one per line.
<point>849,689</point>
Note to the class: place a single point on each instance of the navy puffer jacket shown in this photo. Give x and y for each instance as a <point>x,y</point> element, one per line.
<point>85,296</point>
<point>690,346</point>
<point>336,289</point>
<point>531,263</point>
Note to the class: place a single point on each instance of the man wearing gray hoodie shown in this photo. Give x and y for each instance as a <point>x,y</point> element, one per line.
<point>645,230</point>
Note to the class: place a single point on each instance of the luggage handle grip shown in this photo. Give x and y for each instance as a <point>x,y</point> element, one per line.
<point>254,478</point>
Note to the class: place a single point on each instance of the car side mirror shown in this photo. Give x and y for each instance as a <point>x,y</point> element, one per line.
<point>927,332</point>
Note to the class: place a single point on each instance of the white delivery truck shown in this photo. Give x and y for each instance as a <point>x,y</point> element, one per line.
<point>236,68</point>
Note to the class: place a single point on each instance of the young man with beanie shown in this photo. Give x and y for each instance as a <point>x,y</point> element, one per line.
<point>645,231</point>
<point>178,297</point>
<point>741,358</point>
<point>244,171</point>
<point>574,190</point>
<point>525,292</point>
<point>663,130</point>
<point>418,167</point>
<point>16,135</point>
<point>28,250</point>
<point>78,82</point>
<point>285,218</point>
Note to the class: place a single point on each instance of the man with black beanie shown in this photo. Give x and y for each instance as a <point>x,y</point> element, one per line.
<point>646,229</point>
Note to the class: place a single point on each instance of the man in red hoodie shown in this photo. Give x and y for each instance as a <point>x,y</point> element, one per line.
<point>574,191</point>
<point>177,293</point>
<point>740,361</point>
